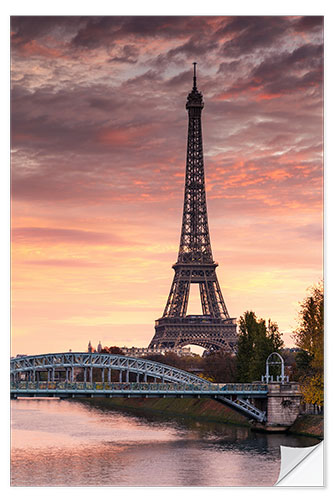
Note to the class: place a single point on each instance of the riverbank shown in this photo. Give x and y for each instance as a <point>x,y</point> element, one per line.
<point>204,409</point>
<point>308,425</point>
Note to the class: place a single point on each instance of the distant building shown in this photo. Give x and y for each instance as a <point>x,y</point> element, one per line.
<point>137,352</point>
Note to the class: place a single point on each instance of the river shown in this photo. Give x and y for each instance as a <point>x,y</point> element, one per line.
<point>72,443</point>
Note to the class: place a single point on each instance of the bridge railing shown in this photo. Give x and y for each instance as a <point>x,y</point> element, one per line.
<point>26,386</point>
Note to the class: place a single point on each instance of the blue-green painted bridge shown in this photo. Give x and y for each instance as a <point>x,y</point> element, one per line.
<point>135,389</point>
<point>57,374</point>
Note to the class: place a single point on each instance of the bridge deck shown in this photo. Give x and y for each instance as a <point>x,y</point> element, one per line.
<point>100,389</point>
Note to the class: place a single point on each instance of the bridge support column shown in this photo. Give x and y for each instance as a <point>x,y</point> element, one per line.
<point>120,376</point>
<point>34,375</point>
<point>84,374</point>
<point>103,375</point>
<point>283,405</point>
<point>138,377</point>
<point>127,375</point>
<point>48,375</point>
<point>72,374</point>
<point>145,377</point>
<point>109,375</point>
<point>91,374</point>
<point>53,374</point>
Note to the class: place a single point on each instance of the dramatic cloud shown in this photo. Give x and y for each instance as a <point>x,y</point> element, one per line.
<point>98,154</point>
<point>44,234</point>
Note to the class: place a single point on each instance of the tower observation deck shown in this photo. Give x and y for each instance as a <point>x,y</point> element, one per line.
<point>213,329</point>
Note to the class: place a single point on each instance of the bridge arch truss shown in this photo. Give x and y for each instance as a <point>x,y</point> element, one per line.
<point>30,368</point>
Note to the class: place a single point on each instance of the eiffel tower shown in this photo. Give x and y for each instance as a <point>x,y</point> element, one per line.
<point>213,329</point>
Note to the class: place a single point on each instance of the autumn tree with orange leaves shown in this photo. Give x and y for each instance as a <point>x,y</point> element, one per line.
<point>309,336</point>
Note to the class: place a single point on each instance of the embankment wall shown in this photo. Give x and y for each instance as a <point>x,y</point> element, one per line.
<point>204,409</point>
<point>200,409</point>
<point>309,425</point>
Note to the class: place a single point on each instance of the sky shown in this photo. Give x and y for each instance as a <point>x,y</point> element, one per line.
<point>98,136</point>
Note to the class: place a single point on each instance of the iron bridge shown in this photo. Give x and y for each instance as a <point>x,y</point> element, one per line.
<point>153,379</point>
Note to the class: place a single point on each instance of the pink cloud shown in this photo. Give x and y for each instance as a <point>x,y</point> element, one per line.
<point>99,149</point>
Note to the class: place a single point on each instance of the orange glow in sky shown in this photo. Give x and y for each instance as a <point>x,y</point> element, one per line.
<point>99,132</point>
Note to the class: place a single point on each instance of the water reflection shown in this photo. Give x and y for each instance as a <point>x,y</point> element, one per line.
<point>67,443</point>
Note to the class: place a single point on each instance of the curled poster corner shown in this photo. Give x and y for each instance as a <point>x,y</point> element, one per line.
<point>302,466</point>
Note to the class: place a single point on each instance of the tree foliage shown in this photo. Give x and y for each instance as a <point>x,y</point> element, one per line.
<point>219,366</point>
<point>112,350</point>
<point>256,341</point>
<point>186,363</point>
<point>309,336</point>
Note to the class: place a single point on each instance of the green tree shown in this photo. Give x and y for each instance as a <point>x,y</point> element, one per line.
<point>309,336</point>
<point>219,366</point>
<point>256,341</point>
<point>303,364</point>
<point>186,363</point>
<point>112,350</point>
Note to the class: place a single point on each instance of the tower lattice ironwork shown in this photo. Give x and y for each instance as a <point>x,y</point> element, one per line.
<point>213,329</point>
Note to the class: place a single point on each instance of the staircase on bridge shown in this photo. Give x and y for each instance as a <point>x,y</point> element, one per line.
<point>244,406</point>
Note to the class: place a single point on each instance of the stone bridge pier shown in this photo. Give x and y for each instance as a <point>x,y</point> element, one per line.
<point>283,406</point>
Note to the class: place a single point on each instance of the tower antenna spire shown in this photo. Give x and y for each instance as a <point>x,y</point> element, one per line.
<point>194,75</point>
